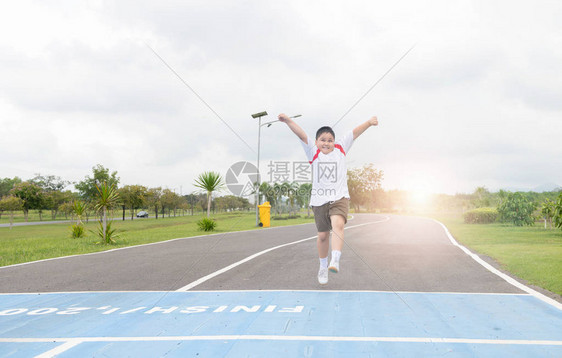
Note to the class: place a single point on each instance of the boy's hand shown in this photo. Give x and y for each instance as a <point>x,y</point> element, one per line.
<point>283,117</point>
<point>374,121</point>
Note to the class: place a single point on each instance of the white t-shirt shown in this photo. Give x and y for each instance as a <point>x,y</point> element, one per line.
<point>329,171</point>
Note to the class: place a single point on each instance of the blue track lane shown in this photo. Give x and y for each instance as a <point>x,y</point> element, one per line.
<point>279,324</point>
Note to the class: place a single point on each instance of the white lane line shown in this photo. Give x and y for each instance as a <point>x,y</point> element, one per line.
<point>507,278</point>
<point>230,267</point>
<point>70,343</point>
<point>77,340</point>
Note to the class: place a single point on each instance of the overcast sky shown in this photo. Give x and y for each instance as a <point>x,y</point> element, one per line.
<point>477,102</point>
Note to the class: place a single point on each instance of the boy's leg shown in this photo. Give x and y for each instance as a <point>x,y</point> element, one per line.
<point>323,244</point>
<point>338,222</point>
<point>323,225</point>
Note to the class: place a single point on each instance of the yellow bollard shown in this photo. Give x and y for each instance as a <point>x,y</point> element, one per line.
<point>265,214</point>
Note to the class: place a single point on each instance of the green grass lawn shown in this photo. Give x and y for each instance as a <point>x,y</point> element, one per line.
<point>29,243</point>
<point>530,252</point>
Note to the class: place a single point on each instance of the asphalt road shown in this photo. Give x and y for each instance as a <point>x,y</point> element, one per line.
<point>382,253</point>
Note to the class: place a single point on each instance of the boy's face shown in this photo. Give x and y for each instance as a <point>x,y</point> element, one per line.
<point>325,143</point>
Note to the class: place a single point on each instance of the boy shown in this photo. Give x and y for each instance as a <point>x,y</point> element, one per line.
<point>330,196</point>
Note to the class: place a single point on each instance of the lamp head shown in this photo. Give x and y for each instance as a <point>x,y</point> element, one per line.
<point>258,115</point>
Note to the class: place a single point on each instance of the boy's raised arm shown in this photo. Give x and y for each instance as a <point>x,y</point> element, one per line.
<point>294,127</point>
<point>363,127</point>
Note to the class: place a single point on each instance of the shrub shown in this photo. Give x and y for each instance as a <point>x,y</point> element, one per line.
<point>280,217</point>
<point>77,231</point>
<point>481,216</point>
<point>517,209</point>
<point>110,234</point>
<point>207,224</point>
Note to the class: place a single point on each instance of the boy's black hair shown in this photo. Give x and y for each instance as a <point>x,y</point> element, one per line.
<point>325,129</point>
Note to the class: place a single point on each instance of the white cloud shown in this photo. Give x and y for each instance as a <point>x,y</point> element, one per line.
<point>475,103</point>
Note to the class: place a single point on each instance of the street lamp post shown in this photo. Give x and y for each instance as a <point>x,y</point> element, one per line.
<point>259,115</point>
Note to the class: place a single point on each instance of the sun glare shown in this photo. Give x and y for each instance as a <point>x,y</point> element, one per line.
<point>420,198</point>
<point>420,190</point>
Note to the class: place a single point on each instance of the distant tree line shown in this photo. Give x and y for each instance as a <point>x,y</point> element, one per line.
<point>519,208</point>
<point>48,194</point>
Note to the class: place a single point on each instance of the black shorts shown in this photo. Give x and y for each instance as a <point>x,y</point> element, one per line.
<point>322,213</point>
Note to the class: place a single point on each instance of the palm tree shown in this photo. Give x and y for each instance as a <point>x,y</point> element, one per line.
<point>108,197</point>
<point>290,191</point>
<point>303,196</point>
<point>266,191</point>
<point>209,181</point>
<point>79,208</point>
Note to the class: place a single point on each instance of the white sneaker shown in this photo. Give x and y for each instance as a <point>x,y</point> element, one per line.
<point>323,275</point>
<point>334,266</point>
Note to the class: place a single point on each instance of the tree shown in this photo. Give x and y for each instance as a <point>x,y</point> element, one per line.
<point>79,208</point>
<point>210,182</point>
<point>266,191</point>
<point>223,203</point>
<point>548,210</point>
<point>502,196</point>
<point>303,196</point>
<point>171,201</point>
<point>197,201</point>
<point>52,187</point>
<point>66,209</point>
<point>290,191</point>
<point>107,198</point>
<point>88,187</point>
<point>191,200</point>
<point>231,202</point>
<point>273,194</point>
<point>7,184</point>
<point>168,201</point>
<point>482,197</point>
<point>242,203</point>
<point>49,183</point>
<point>184,205</point>
<point>11,204</point>
<point>380,199</point>
<point>30,195</point>
<point>517,209</point>
<point>362,183</point>
<point>54,200</point>
<point>558,212</point>
<point>179,202</point>
<point>153,197</point>
<point>133,197</point>
<point>277,195</point>
<point>355,188</point>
